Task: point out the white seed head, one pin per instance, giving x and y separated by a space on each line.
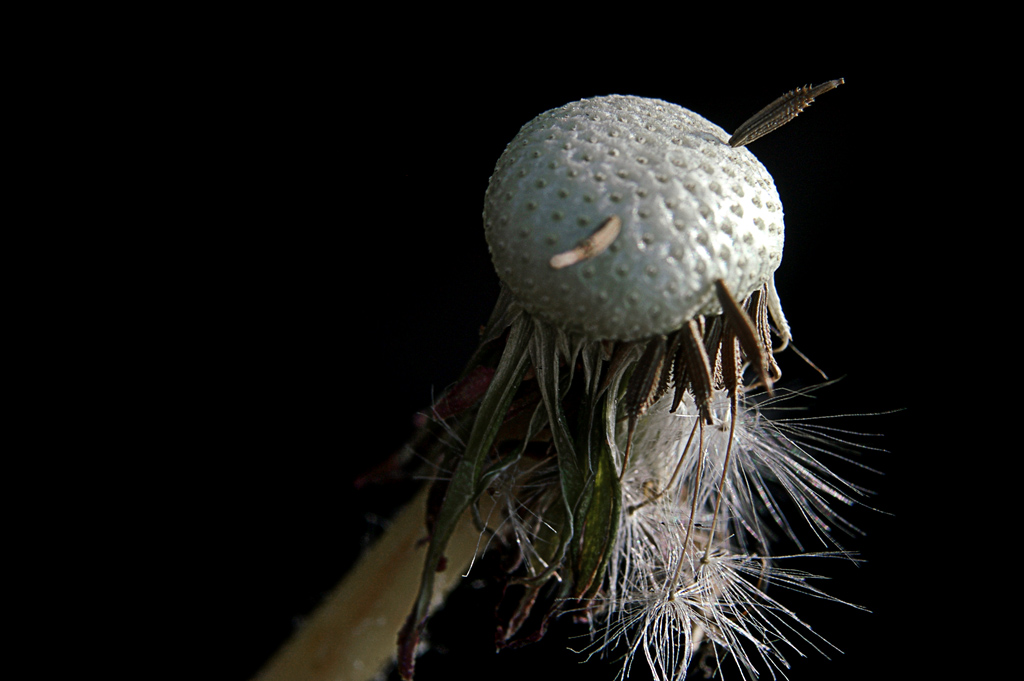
692 210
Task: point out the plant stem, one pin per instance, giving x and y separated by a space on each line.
352 636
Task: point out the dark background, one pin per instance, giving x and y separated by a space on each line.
347 289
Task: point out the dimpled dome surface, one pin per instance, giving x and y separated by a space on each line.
693 210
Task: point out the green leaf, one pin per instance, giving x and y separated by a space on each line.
465 488
574 472
601 524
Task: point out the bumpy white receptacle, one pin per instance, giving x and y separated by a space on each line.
693 210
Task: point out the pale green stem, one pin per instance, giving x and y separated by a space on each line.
353 634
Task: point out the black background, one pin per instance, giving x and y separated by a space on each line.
347 286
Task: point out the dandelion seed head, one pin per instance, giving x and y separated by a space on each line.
674 235
656 486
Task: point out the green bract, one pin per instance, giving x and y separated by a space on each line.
692 208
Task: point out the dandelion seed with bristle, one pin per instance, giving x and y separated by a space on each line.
636 243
